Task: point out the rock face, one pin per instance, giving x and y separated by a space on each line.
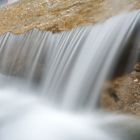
123 94
59 15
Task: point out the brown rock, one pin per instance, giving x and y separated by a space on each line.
123 94
59 15
137 67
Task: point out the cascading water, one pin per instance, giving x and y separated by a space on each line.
7 2
69 70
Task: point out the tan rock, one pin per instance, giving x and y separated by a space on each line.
59 15
123 94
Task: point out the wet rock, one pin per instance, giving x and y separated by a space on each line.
123 94
137 67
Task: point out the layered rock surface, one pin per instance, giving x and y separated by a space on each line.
59 15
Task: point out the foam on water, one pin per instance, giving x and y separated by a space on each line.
26 117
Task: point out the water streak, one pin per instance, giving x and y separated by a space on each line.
69 70
73 65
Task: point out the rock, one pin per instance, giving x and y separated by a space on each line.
123 94
59 15
137 67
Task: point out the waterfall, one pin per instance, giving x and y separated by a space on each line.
7 2
74 64
62 73
2 2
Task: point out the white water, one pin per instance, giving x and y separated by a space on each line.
7 2
69 70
